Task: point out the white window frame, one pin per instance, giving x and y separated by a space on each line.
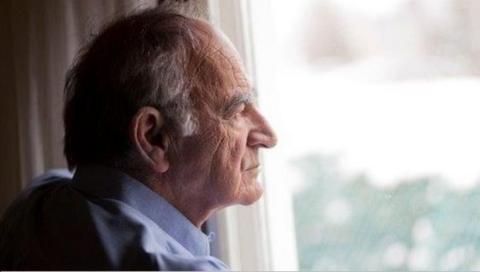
251 238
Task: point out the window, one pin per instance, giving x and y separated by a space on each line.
376 107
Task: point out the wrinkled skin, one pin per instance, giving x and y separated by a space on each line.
218 165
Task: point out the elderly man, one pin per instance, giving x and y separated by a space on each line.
162 131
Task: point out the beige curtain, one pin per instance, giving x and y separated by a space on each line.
39 40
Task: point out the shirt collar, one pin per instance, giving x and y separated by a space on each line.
107 182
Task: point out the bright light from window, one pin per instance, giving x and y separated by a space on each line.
376 108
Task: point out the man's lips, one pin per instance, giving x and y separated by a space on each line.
252 167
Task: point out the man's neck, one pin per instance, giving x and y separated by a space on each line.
193 206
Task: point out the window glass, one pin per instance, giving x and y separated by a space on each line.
376 107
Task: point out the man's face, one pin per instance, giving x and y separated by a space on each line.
221 161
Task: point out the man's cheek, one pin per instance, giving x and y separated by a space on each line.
235 149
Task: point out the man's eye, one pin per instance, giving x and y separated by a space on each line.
238 111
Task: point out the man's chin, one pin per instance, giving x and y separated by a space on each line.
252 196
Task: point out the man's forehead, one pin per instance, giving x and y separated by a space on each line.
227 58
231 63
236 83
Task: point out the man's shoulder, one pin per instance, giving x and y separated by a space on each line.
53 224
53 175
30 198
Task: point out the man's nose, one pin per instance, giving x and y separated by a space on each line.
262 135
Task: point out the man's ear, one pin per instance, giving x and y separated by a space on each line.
145 133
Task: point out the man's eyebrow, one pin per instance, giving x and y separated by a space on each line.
237 99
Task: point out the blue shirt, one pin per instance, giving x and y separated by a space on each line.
101 219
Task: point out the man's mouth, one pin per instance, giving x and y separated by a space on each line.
252 167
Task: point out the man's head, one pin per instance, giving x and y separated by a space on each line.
165 98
